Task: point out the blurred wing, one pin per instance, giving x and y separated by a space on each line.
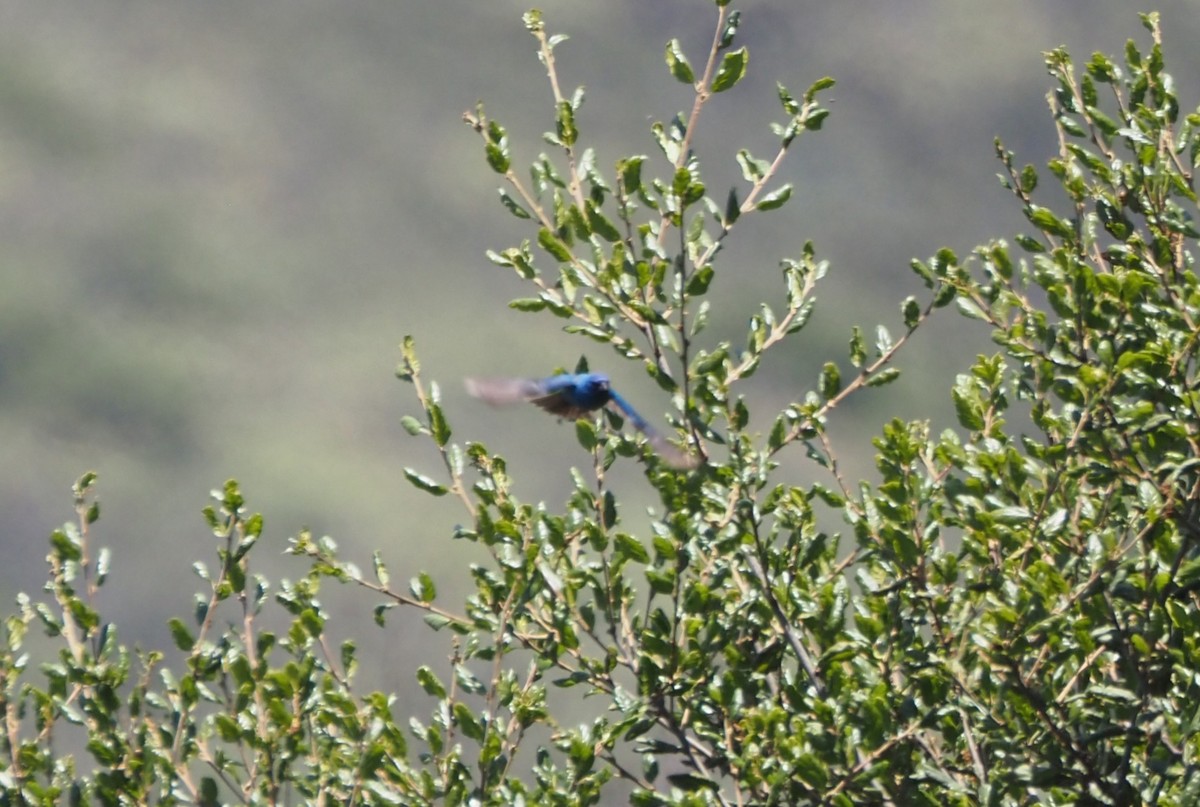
670 453
572 395
639 422
551 394
558 403
503 391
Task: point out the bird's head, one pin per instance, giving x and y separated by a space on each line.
594 383
588 391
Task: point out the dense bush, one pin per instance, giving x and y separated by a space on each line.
1012 616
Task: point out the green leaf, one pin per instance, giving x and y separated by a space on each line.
731 27
527 304
1029 179
778 434
438 426
609 511
629 547
65 546
971 309
409 365
554 246
689 782
733 208
821 84
858 347
181 635
430 683
380 612
883 340
1047 222
228 730
1011 515
944 295
968 408
496 148
468 723
733 67
423 588
585 433
574 679
518 259
424 483
497 158
785 98
601 225
680 69
512 206
831 380
312 622
565 124
380 568
630 172
467 680
699 281
753 169
84 483
813 770
103 563
776 198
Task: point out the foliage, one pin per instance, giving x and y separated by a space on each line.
1012 618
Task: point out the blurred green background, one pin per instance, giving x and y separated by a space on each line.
219 219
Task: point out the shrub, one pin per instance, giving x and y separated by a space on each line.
1011 617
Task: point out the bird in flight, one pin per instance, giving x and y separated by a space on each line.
573 395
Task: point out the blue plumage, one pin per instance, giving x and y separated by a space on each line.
573 395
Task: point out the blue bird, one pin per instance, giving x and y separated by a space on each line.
573 395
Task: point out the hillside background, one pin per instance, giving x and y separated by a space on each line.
219 218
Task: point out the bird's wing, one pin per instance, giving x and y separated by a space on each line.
501 391
670 453
638 421
558 403
548 393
